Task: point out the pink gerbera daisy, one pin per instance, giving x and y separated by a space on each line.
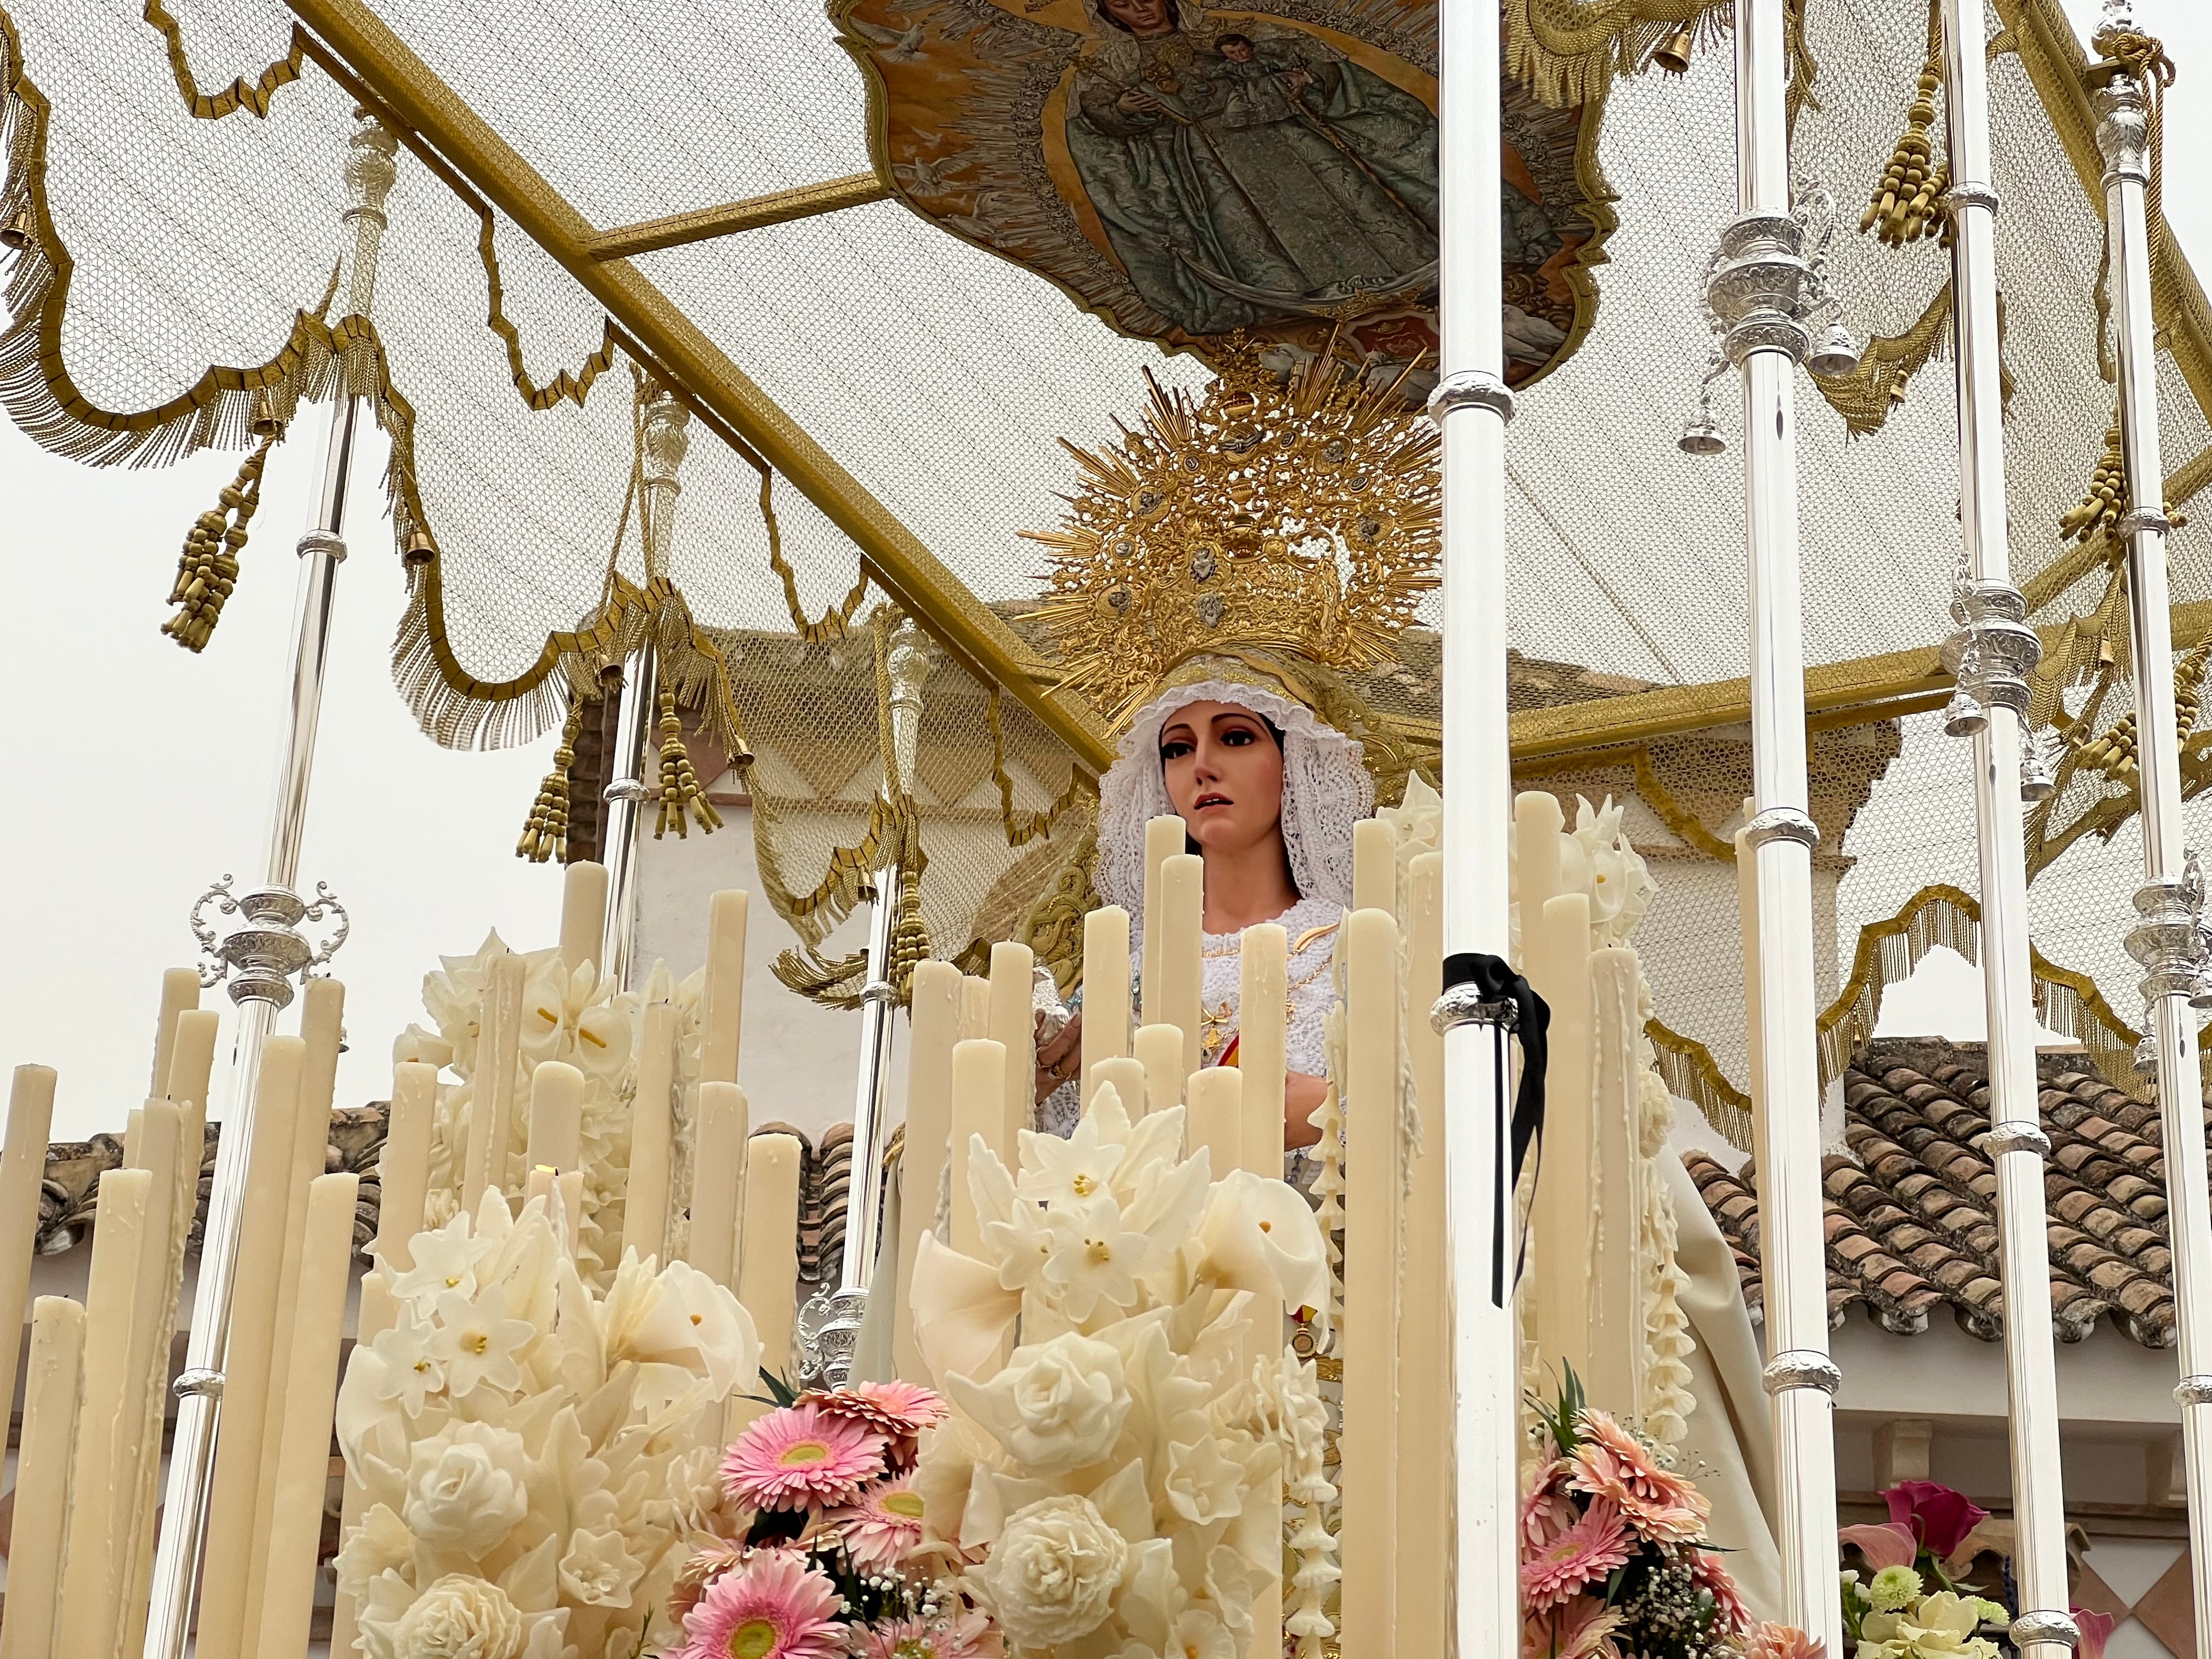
1546 1511
1613 1464
1585 1552
1768 1640
882 1524
710 1562
897 1411
1580 1627
1707 1573
773 1606
964 1633
800 1458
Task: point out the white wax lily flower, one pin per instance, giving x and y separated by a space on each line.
477 1343
444 1260
1095 1257
1070 1170
410 1372
598 1570
1204 1485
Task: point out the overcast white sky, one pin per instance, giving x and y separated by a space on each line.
140 773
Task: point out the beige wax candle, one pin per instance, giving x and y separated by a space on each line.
1373 1150
92 1576
492 1084
583 914
724 1010
556 1116
322 1028
1424 1396
770 1286
1013 1027
1126 1074
319 1024
152 1323
235 1489
1263 1033
1165 838
568 1208
975 1008
22 1169
377 1314
52 1387
979 1086
1537 822
309 1370
1374 865
1105 988
1557 947
191 1059
181 989
403 1167
1160 1051
538 1183
1183 955
652 1135
1216 1118
717 1157
934 1032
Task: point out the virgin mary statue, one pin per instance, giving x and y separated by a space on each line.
1223 580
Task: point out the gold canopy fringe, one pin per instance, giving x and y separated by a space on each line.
2100 507
1865 396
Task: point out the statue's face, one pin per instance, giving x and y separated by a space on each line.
1141 16
1224 775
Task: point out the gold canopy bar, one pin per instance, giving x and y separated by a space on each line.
754 213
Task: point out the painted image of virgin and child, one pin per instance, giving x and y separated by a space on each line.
1254 174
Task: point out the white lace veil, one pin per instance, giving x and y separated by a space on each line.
1326 790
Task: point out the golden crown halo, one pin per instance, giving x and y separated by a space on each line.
1293 515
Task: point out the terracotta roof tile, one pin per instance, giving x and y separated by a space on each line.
1911 1209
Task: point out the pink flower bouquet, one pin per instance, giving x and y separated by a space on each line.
816 1566
1614 1560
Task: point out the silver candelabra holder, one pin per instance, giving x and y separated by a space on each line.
264 954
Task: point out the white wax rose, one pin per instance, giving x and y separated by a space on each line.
1053 1574
461 1617
1057 1405
466 1487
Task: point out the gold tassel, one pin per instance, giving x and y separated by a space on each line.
1904 203
207 569
546 834
909 941
2113 751
2101 509
682 796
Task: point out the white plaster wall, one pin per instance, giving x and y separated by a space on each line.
798 1061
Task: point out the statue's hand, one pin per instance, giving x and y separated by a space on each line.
1059 1058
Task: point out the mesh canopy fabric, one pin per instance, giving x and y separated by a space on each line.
942 378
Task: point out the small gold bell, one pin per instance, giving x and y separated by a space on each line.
420 550
265 424
1674 53
19 230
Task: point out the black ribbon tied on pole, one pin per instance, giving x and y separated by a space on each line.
1522 1012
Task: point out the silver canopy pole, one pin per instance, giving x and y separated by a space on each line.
261 959
1991 655
1471 405
667 440
2167 940
1759 289
830 1324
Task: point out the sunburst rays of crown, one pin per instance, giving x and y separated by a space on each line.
1293 515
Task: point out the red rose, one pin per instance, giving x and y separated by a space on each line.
1940 1517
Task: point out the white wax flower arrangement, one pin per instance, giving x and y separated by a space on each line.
1115 1481
522 1439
